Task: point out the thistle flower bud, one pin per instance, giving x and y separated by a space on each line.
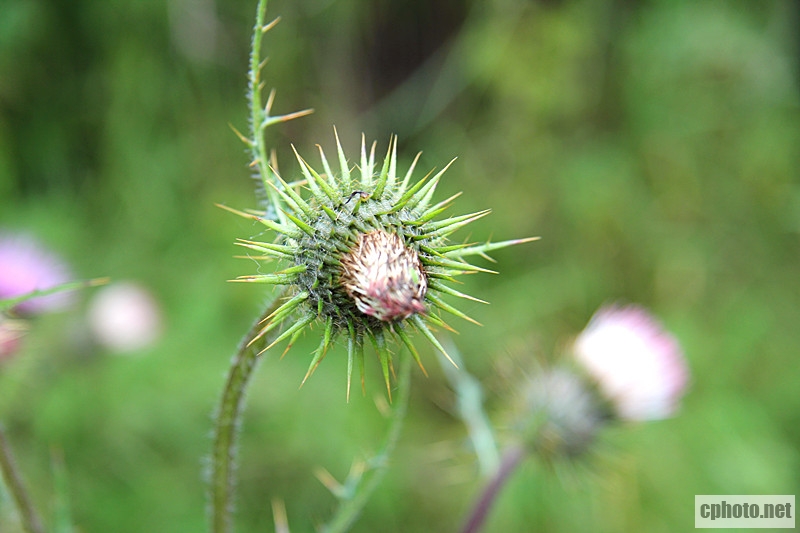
365 256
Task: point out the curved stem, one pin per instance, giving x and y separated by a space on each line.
349 510
511 460
31 523
227 422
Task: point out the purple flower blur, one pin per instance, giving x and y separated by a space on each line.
26 266
637 364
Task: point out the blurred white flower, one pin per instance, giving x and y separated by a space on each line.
124 317
637 364
26 266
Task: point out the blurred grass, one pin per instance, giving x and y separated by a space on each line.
654 146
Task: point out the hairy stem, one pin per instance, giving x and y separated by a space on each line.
261 115
258 113
31 523
349 509
512 458
227 422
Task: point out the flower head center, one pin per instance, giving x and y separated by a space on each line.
384 277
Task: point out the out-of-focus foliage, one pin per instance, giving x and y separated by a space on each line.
654 146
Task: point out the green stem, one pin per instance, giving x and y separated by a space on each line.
261 117
349 510
257 111
31 522
228 419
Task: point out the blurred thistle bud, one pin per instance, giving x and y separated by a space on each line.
561 415
124 317
637 365
26 266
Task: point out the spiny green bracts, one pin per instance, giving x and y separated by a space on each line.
364 256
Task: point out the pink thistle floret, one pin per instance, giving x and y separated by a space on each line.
637 364
26 266
384 277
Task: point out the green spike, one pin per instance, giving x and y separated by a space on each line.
289 231
407 178
441 224
488 247
426 217
351 351
452 227
392 178
276 250
344 181
383 178
242 214
288 306
291 198
308 230
433 211
455 265
304 168
285 277
367 165
423 328
327 168
276 317
310 181
446 289
423 197
331 260
385 357
317 182
359 355
320 352
407 341
272 324
441 275
291 342
423 192
403 200
330 212
437 321
296 328
444 306
442 250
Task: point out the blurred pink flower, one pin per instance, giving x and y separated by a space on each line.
637 365
26 266
124 317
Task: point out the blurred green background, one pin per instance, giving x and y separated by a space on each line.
653 145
